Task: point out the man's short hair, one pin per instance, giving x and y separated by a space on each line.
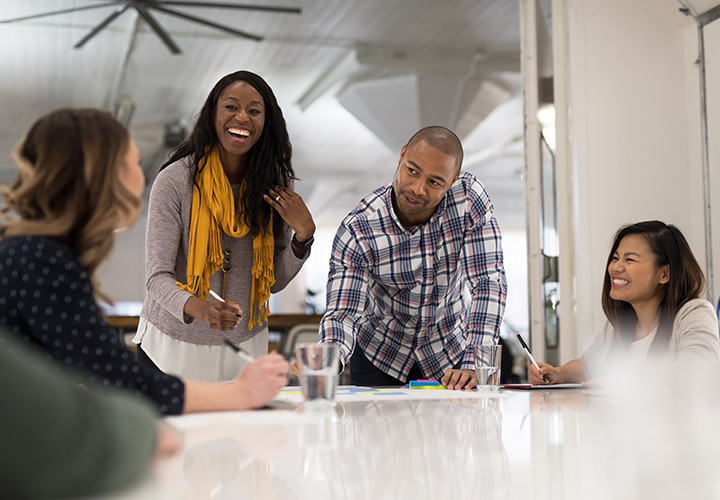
442 139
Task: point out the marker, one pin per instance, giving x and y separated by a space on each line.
223 300
527 351
241 352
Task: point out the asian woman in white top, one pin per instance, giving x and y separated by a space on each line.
652 300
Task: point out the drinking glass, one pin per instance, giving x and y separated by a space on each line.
487 366
318 365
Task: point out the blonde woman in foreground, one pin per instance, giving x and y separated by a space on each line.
79 182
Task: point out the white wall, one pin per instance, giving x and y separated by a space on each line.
514 244
122 274
635 131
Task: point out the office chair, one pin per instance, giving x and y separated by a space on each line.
298 334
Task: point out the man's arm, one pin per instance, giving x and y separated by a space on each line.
346 292
482 264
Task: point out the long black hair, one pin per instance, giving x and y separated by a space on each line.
687 281
269 160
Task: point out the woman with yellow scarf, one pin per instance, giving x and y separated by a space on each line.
222 217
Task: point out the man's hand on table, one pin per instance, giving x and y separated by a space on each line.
459 379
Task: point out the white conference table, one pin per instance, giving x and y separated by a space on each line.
542 444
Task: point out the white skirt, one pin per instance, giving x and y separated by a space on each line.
204 363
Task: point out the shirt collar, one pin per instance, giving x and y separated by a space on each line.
439 211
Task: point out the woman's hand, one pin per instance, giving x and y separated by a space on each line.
295 368
261 381
219 315
167 442
257 384
550 372
293 211
223 315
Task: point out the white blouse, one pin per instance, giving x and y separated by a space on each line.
204 363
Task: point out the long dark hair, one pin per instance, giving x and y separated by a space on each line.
686 282
269 161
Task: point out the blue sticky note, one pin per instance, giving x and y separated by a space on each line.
423 383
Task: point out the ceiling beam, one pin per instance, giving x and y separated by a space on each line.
495 150
365 55
421 60
709 16
333 76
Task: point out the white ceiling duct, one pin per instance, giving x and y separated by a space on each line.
394 108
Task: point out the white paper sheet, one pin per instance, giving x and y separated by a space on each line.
543 387
348 394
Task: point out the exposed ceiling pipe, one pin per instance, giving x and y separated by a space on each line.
702 19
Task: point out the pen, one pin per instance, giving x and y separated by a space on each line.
527 351
223 300
241 352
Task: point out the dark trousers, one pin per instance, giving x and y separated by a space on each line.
363 372
144 359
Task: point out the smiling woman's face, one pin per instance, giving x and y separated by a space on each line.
239 121
634 275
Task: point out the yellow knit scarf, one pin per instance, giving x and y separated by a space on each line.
213 212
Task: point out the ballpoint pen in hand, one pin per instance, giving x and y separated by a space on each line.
222 300
527 351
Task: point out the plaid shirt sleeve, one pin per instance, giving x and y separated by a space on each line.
482 262
346 291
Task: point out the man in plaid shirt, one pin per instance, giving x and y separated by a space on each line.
399 264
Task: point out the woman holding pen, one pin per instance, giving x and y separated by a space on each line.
651 298
80 181
222 216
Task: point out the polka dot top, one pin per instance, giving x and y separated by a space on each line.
46 297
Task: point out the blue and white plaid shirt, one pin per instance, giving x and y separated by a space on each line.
398 292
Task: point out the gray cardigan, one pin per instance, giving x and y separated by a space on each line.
694 338
166 247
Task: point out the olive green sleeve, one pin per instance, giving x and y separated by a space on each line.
61 440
